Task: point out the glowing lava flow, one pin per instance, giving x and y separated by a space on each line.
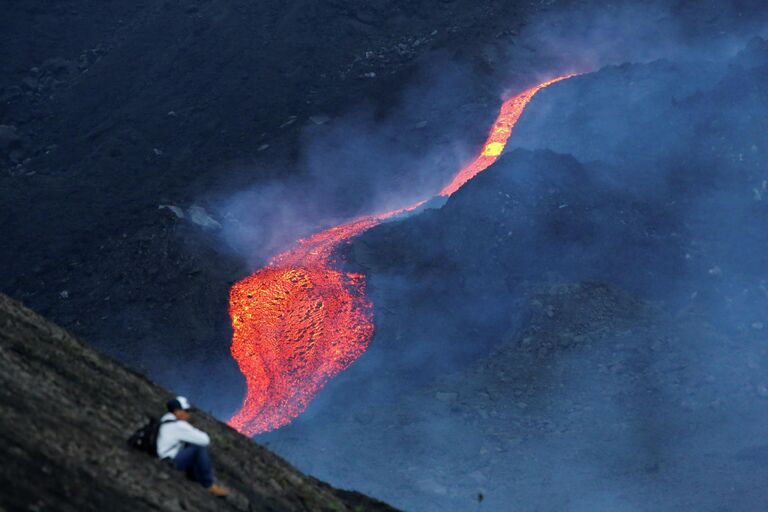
510 112
302 319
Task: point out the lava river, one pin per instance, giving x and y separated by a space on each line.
303 319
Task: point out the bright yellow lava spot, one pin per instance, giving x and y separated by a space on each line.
493 149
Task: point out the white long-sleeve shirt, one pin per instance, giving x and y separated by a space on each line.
172 436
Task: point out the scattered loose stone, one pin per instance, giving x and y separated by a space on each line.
178 212
319 119
199 216
9 137
444 396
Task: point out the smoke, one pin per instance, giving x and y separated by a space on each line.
363 162
491 373
593 36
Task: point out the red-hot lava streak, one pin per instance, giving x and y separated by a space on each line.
302 319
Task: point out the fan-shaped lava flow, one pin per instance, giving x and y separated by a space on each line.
303 319
297 323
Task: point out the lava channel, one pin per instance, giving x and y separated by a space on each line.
303 319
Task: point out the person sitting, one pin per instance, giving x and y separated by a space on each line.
186 447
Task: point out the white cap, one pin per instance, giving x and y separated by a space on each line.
180 402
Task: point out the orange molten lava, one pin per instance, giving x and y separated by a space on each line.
510 112
302 319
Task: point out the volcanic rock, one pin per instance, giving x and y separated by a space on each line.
177 211
754 54
590 297
198 215
9 137
446 396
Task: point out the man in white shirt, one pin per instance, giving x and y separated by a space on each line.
185 446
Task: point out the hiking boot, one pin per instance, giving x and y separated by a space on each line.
218 491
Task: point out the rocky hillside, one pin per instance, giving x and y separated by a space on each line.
65 412
501 367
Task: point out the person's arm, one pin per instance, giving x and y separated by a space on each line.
191 435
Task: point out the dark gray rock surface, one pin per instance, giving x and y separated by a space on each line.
581 326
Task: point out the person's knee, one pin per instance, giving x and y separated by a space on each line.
201 452
192 450
203 455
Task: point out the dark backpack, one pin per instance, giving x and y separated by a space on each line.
145 439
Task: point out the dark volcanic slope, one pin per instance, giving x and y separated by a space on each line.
109 109
599 402
65 412
574 330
